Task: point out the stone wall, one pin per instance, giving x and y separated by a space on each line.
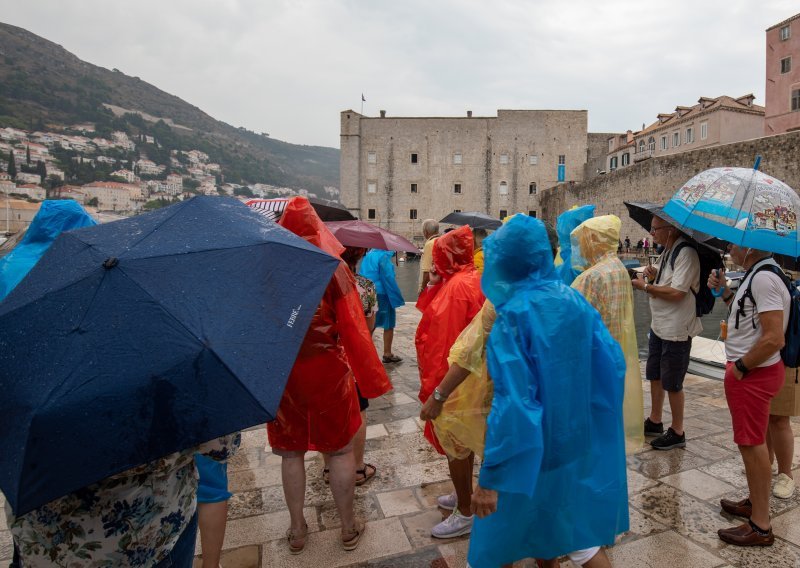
657 179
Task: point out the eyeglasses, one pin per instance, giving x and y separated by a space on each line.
654 229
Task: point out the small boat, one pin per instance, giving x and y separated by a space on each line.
707 358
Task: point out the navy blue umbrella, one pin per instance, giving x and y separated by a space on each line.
146 336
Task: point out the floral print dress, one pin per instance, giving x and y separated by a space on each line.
130 519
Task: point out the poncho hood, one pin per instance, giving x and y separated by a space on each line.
518 255
565 224
593 239
300 218
453 252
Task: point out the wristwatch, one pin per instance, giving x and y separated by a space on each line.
438 396
739 365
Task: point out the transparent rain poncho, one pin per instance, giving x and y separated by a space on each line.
604 282
565 224
555 449
461 426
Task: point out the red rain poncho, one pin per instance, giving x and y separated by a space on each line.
444 315
319 409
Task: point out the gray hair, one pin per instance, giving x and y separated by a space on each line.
430 227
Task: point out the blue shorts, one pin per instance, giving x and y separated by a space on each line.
386 314
213 486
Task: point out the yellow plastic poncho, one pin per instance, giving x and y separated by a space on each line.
461 427
605 283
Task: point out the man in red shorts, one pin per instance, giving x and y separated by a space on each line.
754 375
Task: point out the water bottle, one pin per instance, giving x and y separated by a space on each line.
723 330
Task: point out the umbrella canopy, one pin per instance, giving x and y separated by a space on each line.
742 206
135 339
326 210
361 234
474 219
642 212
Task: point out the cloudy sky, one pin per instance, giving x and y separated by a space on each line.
289 67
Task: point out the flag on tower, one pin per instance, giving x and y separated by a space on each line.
363 100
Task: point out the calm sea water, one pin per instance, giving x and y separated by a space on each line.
408 276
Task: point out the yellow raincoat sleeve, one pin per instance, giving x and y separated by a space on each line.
605 283
461 427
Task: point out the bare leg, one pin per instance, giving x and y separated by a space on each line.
211 518
388 337
599 560
343 482
657 401
552 563
756 466
359 441
293 473
781 439
676 402
461 474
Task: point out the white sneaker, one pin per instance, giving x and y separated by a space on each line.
447 502
454 525
784 487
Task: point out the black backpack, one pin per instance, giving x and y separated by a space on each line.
790 354
709 260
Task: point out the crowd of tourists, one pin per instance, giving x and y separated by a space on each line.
551 427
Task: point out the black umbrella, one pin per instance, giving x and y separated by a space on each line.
474 219
642 212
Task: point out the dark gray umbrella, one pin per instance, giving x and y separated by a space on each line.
474 219
642 212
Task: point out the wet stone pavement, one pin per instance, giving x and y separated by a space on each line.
674 496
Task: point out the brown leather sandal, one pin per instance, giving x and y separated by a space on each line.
364 475
354 535
293 538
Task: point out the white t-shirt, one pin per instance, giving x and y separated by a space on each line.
770 294
677 321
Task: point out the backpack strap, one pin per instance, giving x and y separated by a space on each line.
673 254
748 292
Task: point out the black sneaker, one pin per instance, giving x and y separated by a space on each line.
669 440
652 428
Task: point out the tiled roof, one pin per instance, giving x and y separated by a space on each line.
704 105
784 22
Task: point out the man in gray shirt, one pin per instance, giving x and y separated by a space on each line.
671 286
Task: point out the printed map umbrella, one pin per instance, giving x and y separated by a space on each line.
142 337
361 234
740 205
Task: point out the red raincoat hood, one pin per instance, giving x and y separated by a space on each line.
300 218
452 252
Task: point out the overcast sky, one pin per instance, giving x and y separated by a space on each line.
289 67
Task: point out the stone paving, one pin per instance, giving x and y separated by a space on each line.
674 495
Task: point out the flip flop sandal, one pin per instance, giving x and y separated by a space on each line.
293 537
392 359
352 542
326 475
364 475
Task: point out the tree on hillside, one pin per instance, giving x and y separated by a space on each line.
28 155
93 202
41 170
12 167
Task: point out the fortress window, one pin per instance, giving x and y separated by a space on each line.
457 188
413 188
504 158
503 214
372 158
372 187
412 214
532 214
457 158
532 188
414 159
503 188
370 213
533 160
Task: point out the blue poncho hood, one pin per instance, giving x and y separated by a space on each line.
54 217
567 222
378 267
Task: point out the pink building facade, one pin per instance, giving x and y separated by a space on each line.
783 77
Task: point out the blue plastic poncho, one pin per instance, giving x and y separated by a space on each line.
53 218
377 266
555 449
565 224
